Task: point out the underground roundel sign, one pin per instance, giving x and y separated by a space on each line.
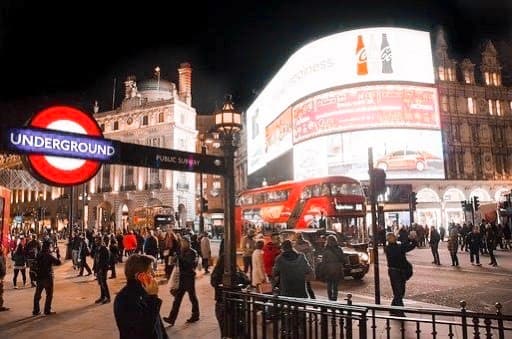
56 169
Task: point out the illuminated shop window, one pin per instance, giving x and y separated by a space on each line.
498 108
491 110
495 79
116 125
145 120
471 106
467 77
161 117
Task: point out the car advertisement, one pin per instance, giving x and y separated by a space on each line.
367 107
353 57
402 153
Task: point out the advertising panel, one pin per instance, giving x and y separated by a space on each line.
352 57
366 107
278 135
402 153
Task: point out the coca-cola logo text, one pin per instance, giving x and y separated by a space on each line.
361 56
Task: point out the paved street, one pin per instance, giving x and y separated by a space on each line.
77 314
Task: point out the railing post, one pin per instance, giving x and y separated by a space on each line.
349 317
464 319
324 325
476 327
501 330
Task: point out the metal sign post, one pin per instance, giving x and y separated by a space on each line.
373 202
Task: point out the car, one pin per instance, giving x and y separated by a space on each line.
357 263
409 160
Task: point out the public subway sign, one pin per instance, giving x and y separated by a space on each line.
63 146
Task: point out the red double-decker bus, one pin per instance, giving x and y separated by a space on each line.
302 204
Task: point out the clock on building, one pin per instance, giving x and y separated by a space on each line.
129 121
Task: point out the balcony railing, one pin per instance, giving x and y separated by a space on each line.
253 315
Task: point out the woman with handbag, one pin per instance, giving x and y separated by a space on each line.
259 277
333 260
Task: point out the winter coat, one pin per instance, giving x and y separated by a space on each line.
206 251
333 260
308 251
258 269
289 273
395 254
130 242
3 266
101 259
435 237
248 245
270 252
137 313
453 243
44 264
188 263
19 259
475 240
151 246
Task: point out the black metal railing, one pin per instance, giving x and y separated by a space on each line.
253 315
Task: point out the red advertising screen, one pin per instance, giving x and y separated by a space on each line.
366 107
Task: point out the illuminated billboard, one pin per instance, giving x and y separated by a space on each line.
354 57
402 153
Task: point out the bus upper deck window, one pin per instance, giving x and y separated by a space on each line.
325 190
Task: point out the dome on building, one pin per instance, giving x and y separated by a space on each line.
155 85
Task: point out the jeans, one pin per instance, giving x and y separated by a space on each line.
397 285
102 281
472 253
187 284
435 253
206 263
47 285
310 291
332 289
455 259
23 275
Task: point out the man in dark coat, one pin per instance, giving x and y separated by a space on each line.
32 249
435 237
332 263
44 277
101 266
398 267
137 306
187 262
474 243
289 272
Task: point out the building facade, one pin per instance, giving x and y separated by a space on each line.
157 113
471 139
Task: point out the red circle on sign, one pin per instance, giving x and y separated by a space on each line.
40 166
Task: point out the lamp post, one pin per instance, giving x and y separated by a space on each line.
84 197
228 124
157 72
201 201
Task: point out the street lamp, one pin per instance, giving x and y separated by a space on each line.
201 201
228 124
84 198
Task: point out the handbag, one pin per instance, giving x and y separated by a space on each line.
174 280
264 287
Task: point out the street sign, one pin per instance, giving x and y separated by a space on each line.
63 146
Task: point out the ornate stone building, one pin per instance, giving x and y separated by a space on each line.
154 112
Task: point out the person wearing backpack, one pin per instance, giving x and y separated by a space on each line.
399 269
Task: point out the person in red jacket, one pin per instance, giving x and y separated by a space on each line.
270 251
130 243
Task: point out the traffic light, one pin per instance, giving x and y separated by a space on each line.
413 201
379 181
476 203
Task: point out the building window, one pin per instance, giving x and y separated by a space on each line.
441 73
116 125
102 126
498 108
467 77
145 120
491 110
216 185
444 103
161 117
487 79
471 106
451 74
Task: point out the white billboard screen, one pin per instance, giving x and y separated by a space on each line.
352 57
402 153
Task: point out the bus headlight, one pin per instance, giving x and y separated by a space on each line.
363 256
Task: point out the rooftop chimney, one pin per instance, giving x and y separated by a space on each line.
185 83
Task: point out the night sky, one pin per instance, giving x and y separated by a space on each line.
70 51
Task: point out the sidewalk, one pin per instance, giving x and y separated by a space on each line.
77 314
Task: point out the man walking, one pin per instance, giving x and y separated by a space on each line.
399 269
44 278
101 267
435 237
206 252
